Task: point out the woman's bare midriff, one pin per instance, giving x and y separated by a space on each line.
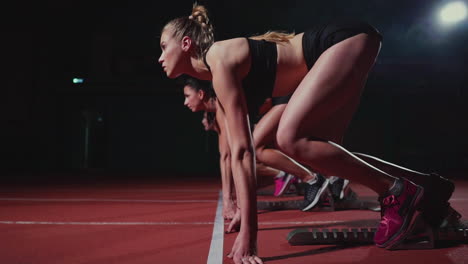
291 67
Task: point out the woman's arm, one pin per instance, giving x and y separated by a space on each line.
229 208
228 88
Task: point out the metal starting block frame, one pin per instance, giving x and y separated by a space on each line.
326 203
422 236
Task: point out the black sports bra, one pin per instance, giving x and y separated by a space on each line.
259 83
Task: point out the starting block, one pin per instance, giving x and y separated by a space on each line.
351 201
325 204
422 236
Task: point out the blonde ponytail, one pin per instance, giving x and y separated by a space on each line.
274 36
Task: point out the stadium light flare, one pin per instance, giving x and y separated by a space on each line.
453 12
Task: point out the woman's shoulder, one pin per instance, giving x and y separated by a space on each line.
230 51
230 42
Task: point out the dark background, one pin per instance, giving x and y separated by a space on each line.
413 111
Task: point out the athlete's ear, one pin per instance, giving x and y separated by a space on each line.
201 94
186 43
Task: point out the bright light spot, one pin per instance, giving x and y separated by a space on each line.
78 80
453 12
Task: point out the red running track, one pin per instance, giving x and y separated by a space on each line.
172 222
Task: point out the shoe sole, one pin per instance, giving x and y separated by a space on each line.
311 205
285 185
407 225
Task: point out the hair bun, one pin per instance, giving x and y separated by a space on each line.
197 26
200 15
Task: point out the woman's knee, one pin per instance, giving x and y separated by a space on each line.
287 142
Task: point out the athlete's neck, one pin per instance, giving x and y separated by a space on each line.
199 70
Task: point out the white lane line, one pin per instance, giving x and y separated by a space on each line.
302 223
14 199
215 255
102 200
102 223
5 222
108 190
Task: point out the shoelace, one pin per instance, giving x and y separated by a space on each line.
388 202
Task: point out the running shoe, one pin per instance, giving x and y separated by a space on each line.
434 205
399 212
282 184
338 188
312 192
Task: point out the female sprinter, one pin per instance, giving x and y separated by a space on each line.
325 70
200 97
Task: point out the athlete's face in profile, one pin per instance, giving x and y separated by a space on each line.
171 54
193 99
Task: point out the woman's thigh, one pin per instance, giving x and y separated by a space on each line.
324 102
264 133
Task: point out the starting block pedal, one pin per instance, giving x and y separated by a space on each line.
279 205
351 201
422 235
326 236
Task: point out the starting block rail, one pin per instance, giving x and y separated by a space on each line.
365 236
422 236
326 204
